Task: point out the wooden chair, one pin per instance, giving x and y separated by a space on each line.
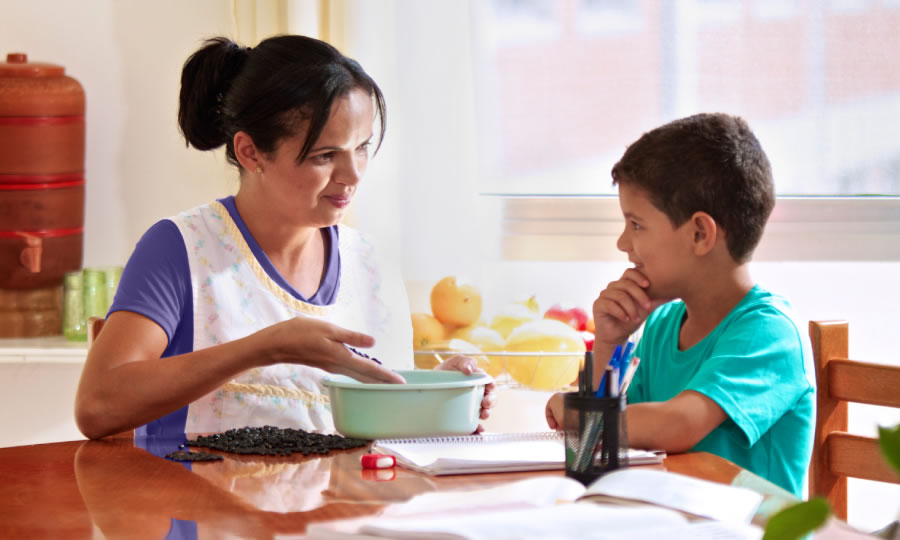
836 453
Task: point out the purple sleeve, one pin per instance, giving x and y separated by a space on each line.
156 281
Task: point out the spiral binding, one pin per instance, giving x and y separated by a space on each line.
490 438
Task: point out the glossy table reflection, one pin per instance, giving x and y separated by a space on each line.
123 488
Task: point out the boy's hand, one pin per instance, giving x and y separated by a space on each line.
554 411
623 306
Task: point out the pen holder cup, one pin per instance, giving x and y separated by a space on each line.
596 437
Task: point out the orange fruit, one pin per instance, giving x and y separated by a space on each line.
455 303
451 328
544 371
426 330
424 359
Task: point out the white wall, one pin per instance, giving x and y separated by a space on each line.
128 56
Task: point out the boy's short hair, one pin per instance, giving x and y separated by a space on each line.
705 163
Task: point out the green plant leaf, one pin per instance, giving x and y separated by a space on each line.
889 439
797 520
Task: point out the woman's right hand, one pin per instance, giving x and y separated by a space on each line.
320 344
622 307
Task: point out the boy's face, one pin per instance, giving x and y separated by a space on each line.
659 251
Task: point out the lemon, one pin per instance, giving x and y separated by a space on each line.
487 340
544 371
511 317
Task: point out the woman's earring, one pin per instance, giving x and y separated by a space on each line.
259 170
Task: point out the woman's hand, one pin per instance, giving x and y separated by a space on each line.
320 344
554 411
468 365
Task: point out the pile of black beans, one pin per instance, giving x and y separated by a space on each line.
274 441
181 455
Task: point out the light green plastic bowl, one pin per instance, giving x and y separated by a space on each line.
430 403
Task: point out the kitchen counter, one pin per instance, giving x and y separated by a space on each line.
38 381
52 349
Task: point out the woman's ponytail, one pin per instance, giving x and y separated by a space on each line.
205 80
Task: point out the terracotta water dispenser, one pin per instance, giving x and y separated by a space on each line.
42 132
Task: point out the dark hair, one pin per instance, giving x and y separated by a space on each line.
266 92
708 163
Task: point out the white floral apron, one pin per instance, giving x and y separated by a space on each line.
234 297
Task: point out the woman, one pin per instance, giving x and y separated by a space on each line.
229 314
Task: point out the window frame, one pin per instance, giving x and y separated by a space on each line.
585 228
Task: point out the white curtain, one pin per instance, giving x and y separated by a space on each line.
255 20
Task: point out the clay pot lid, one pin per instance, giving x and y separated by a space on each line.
17 65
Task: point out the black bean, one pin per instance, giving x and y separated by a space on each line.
193 456
364 355
273 441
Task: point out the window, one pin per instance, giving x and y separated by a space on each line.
819 85
523 106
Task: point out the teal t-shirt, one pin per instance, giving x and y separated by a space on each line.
757 366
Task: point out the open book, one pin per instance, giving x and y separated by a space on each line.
673 507
497 452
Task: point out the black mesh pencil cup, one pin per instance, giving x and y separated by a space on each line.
596 437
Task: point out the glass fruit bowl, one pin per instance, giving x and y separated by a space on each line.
545 371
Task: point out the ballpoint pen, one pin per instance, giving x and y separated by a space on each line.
613 391
613 362
629 374
626 354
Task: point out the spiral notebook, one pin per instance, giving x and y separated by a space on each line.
496 452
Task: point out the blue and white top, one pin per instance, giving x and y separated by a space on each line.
202 277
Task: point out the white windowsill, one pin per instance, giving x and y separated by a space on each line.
44 350
573 228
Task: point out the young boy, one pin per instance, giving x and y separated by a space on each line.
724 368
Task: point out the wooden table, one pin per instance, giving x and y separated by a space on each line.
112 488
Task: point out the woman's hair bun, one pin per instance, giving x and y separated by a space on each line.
205 79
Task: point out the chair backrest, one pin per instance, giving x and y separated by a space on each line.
836 453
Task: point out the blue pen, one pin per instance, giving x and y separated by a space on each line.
613 362
604 382
626 355
616 357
